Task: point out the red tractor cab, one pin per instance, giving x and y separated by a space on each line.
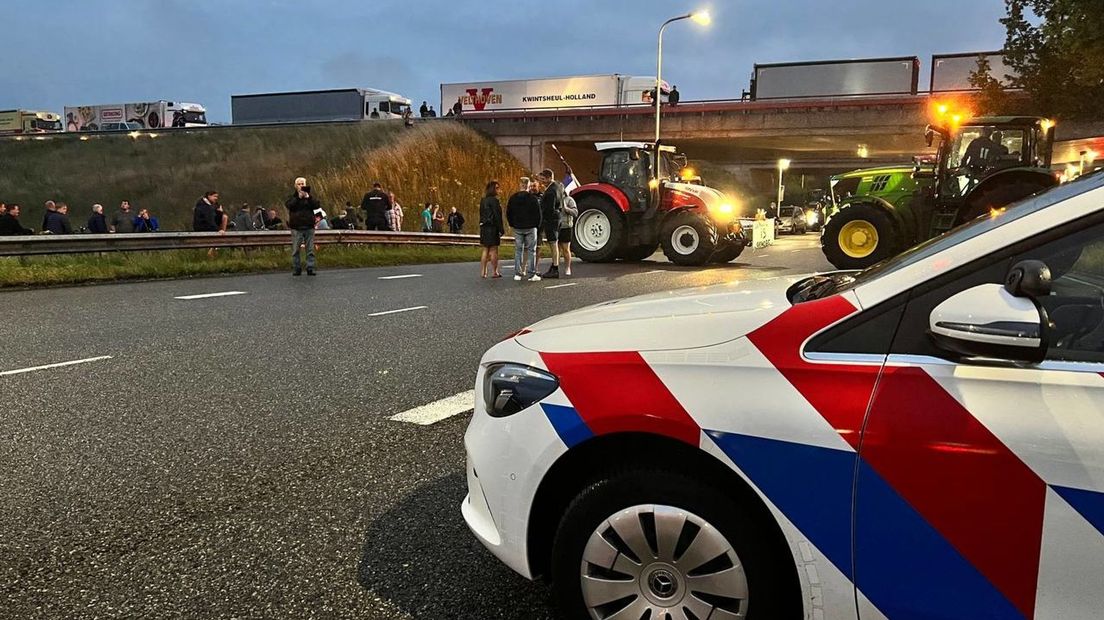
641 202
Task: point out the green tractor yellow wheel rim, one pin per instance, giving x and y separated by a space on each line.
858 239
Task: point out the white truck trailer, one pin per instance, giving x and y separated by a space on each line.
836 78
585 91
145 114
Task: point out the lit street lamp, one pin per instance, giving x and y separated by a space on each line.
700 17
783 165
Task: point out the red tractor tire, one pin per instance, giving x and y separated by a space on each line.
599 230
688 239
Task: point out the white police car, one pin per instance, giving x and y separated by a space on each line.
924 439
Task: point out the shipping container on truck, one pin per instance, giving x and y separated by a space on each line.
146 114
836 78
951 72
343 104
15 122
584 91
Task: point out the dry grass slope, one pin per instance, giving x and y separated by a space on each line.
254 165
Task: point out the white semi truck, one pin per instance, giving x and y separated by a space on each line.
584 91
14 122
344 104
142 115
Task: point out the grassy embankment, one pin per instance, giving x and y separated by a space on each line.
442 161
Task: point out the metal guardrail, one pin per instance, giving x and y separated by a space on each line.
36 245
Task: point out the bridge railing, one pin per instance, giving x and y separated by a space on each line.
37 245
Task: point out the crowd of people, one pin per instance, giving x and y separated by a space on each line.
56 220
540 208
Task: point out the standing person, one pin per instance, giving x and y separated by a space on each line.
9 223
427 218
375 204
567 230
243 221
438 219
455 221
523 212
57 221
552 202
396 213
424 110
123 220
206 216
432 112
97 223
301 219
490 229
458 107
51 208
146 222
673 96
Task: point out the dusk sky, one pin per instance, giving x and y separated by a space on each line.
69 52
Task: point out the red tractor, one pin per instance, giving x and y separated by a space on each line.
641 202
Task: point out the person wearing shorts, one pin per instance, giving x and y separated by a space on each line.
552 202
567 230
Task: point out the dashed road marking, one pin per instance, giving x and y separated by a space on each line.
208 295
562 285
402 277
398 311
57 365
438 410
653 271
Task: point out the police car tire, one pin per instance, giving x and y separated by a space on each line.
770 574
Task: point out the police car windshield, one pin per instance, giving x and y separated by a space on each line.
983 225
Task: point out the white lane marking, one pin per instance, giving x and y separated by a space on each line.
760 256
796 251
58 365
506 267
653 271
402 277
398 311
439 410
562 285
206 295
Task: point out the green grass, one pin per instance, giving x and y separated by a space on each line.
86 268
443 160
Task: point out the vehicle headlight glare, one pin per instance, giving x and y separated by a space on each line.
510 388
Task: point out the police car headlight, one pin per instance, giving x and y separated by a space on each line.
509 388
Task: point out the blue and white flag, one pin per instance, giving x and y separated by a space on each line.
569 183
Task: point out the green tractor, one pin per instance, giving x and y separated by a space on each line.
981 165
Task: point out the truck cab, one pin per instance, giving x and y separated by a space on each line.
379 104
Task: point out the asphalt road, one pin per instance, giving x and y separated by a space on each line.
234 457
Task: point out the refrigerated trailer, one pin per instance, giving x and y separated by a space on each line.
13 122
583 91
343 104
141 115
951 72
836 78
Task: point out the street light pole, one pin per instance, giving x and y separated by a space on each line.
701 17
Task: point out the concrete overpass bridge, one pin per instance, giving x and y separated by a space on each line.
820 136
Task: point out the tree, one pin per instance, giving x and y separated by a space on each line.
1056 48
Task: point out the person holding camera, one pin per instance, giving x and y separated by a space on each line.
301 207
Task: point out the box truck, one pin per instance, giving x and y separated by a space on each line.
343 104
142 115
586 91
836 78
14 122
951 72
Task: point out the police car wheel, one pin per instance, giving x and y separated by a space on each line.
642 544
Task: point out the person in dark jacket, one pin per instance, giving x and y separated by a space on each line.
523 212
97 223
490 229
146 223
301 207
206 217
9 223
376 203
455 221
673 96
423 111
552 202
51 208
57 221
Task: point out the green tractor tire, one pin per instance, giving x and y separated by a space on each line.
858 236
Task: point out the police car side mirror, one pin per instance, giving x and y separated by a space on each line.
989 322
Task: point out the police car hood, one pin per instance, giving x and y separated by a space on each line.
679 319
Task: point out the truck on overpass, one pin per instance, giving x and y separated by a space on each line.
14 122
581 91
342 104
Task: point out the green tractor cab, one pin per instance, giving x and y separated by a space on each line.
982 165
